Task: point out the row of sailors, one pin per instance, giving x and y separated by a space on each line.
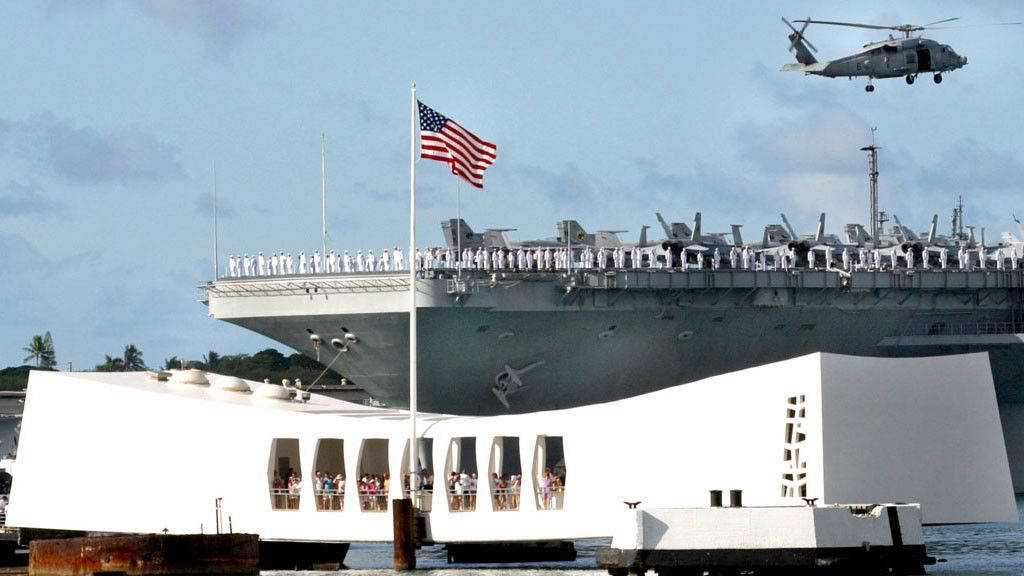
547 259
281 264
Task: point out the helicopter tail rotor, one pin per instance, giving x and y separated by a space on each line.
799 44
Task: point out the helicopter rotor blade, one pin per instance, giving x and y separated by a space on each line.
939 22
974 25
853 24
799 36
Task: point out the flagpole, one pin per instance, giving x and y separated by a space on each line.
216 252
412 297
323 183
458 226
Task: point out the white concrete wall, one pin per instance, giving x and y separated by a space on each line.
143 456
763 528
928 430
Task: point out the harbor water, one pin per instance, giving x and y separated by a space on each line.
963 550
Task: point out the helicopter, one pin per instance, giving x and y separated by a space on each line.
907 56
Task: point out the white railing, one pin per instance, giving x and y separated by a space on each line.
423 500
505 499
373 501
284 498
550 499
461 501
333 500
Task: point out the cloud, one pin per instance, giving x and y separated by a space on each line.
204 207
84 155
22 199
222 26
820 139
20 255
567 185
972 165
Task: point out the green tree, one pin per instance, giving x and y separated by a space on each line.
172 363
111 364
211 360
132 359
36 350
49 358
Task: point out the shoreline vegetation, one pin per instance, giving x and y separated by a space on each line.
265 364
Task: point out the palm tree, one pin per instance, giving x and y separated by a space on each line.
36 349
211 360
133 359
111 364
172 363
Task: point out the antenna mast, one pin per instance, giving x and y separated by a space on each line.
876 219
216 253
323 179
958 218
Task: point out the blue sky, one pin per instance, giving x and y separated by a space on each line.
113 113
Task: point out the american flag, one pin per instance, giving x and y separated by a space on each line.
442 139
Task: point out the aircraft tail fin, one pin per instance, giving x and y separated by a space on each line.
695 236
451 229
789 228
799 45
819 234
931 231
571 229
643 235
737 238
665 226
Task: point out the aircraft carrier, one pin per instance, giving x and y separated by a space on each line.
505 341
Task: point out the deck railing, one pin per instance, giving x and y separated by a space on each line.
333 500
373 501
284 498
550 499
505 499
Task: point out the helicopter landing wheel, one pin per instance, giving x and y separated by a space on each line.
937 78
869 88
910 79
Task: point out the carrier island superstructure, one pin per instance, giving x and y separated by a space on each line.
504 341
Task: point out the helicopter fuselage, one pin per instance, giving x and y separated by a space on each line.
894 58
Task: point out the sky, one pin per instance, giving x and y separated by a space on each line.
113 114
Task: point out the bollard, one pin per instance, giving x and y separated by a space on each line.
716 498
736 498
404 538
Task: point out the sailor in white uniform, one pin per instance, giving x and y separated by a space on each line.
261 264
399 259
371 261
1000 265
385 261
943 258
302 262
1013 258
828 257
810 259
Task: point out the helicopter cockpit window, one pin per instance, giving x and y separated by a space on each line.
889 48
